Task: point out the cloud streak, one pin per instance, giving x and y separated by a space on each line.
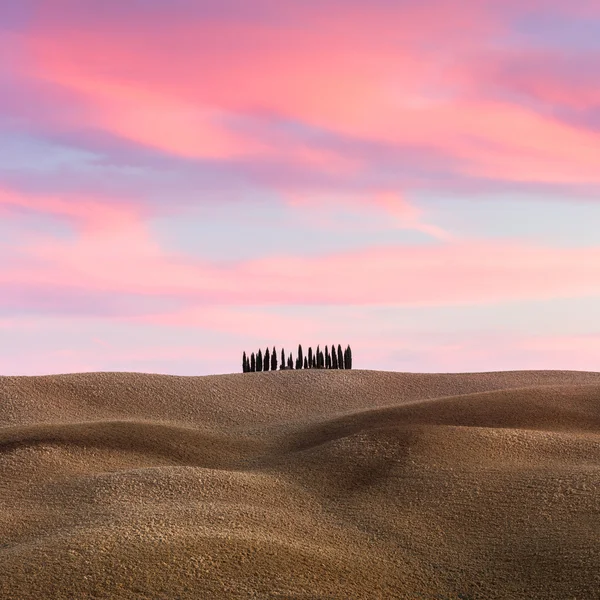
125 259
183 90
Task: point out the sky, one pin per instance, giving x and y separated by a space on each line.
183 180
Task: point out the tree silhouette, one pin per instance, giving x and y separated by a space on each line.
348 357
340 357
317 359
320 358
274 360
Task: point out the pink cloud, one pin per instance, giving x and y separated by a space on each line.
408 216
323 209
262 324
88 213
113 251
183 92
119 254
155 119
442 274
553 78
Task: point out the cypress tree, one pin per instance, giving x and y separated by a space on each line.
300 357
327 358
290 362
305 362
348 361
267 360
314 362
334 359
259 361
321 360
310 357
318 352
252 363
244 369
340 357
274 360
282 359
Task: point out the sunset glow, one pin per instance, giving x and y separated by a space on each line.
182 180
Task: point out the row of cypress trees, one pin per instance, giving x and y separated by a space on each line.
336 359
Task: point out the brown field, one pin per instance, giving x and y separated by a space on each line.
300 485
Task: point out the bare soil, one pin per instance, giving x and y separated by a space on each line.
300 485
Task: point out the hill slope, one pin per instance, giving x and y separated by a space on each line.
308 484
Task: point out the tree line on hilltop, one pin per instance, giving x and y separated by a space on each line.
268 361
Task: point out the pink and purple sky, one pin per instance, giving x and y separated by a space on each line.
181 180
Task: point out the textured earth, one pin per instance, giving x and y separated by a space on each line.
300 484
